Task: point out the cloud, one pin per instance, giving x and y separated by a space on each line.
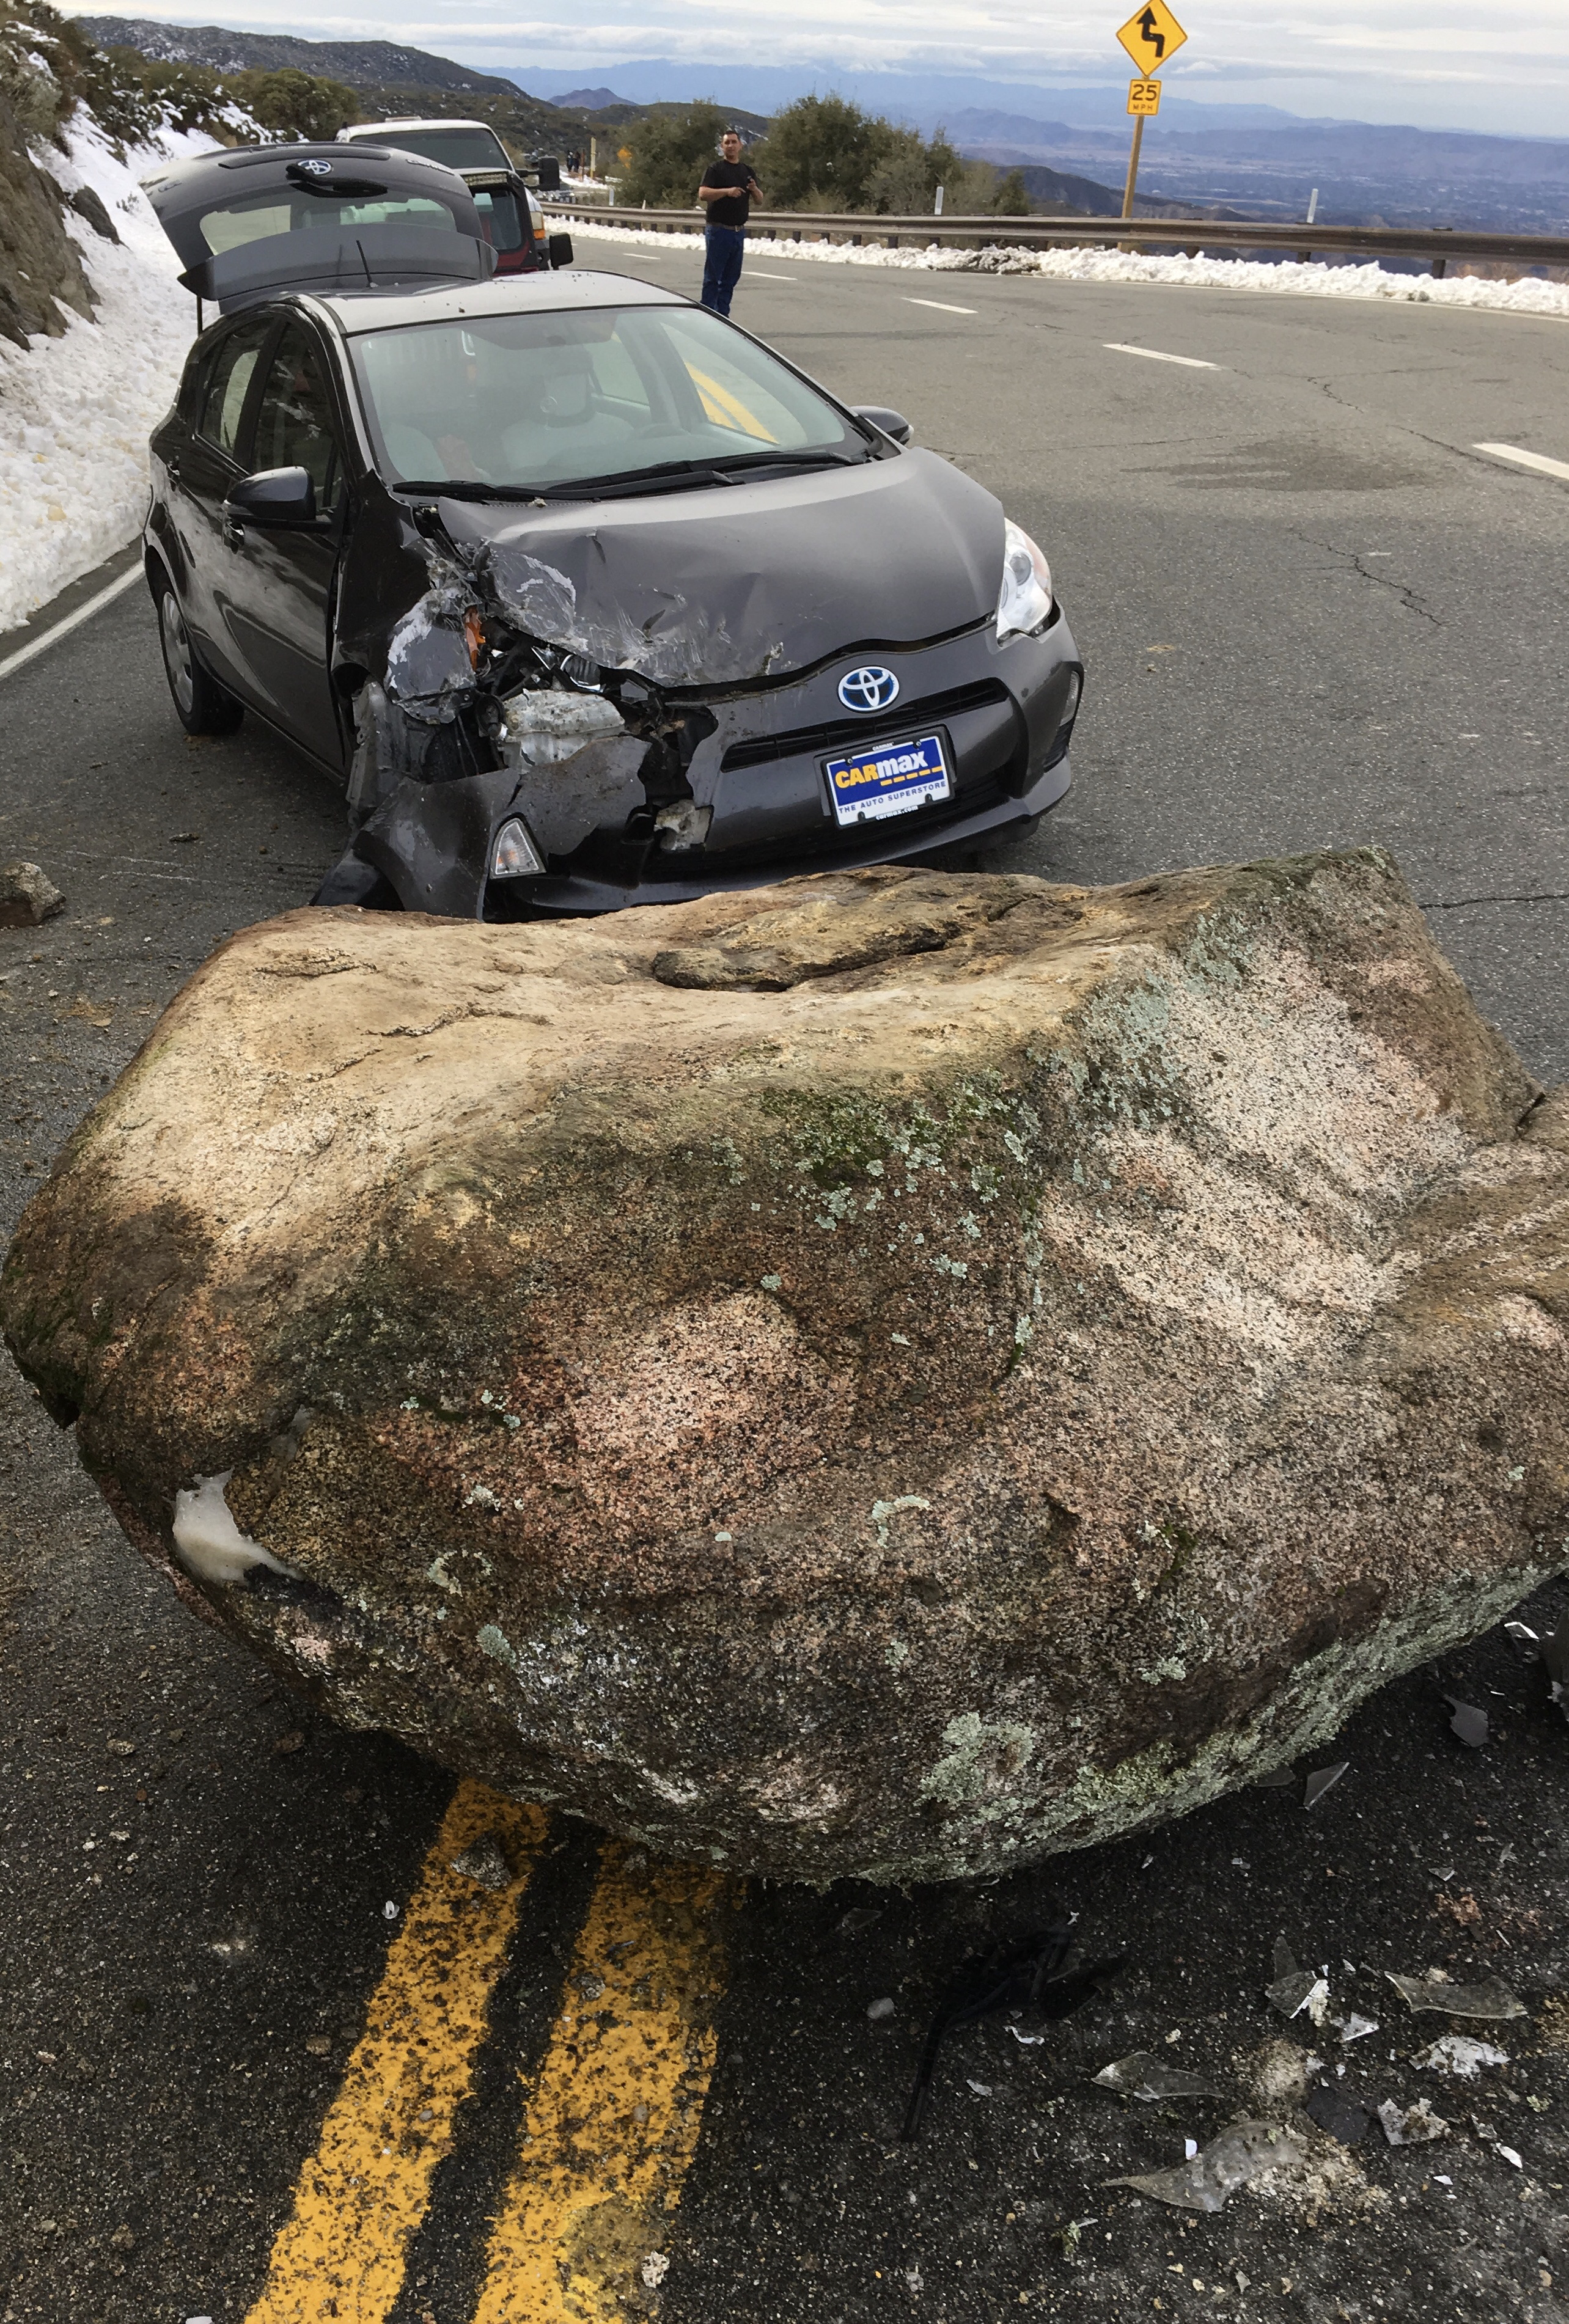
1448 60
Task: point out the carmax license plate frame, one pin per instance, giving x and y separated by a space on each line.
869 784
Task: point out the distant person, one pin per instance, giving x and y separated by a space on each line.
727 193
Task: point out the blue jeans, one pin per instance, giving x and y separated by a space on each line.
721 265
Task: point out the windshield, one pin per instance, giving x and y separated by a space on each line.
458 149
251 218
520 400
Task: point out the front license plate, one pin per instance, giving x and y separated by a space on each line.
887 779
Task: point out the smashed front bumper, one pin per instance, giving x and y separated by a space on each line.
756 806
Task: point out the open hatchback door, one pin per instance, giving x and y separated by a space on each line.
259 220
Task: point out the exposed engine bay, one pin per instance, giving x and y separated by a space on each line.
475 722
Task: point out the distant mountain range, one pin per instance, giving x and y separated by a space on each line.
1254 159
590 100
1257 158
360 64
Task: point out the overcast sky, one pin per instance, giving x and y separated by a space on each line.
1434 62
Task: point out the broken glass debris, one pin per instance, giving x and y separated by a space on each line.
1292 1989
1320 1780
1488 1999
1145 2075
1460 2053
1207 2180
1548 1647
1468 1721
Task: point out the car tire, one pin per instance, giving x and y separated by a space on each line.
201 704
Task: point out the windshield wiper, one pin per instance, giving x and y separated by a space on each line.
467 488
807 459
667 475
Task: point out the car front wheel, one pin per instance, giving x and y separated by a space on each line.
201 704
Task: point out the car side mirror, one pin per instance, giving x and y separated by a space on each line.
273 498
891 423
560 249
547 171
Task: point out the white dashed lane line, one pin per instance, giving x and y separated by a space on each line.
942 306
1538 460
1156 355
760 275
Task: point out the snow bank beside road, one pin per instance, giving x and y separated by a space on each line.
76 411
1529 296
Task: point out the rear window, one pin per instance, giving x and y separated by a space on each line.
532 400
456 149
253 217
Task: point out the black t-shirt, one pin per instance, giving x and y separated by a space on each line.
734 210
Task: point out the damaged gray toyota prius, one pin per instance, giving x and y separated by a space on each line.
587 598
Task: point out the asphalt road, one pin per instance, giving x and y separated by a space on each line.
1312 614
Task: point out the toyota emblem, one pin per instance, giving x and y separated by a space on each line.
315 169
870 687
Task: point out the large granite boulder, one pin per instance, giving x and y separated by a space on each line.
894 1374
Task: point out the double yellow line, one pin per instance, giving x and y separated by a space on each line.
613 2112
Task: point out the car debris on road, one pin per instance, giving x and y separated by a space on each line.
1206 2180
1490 1998
1030 1975
1145 2075
1551 1649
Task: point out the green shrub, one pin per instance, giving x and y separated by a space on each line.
670 150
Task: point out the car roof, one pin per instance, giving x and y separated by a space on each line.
355 313
356 130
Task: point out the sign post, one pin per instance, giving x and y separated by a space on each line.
1151 39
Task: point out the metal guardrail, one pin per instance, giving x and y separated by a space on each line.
1437 244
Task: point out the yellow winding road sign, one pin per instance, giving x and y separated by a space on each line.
1152 37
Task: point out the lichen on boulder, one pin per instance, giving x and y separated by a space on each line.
892 1374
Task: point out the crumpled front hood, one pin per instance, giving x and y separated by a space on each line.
722 584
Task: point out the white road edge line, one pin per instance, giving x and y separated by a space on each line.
1538 460
72 621
942 306
1191 363
764 274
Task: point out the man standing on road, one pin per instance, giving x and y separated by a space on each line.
727 193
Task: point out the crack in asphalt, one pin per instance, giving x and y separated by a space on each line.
1407 597
1548 896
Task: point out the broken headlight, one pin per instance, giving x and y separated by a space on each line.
1024 602
514 854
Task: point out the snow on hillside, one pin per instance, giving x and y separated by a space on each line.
76 411
1528 296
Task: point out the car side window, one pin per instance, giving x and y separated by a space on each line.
294 425
228 380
